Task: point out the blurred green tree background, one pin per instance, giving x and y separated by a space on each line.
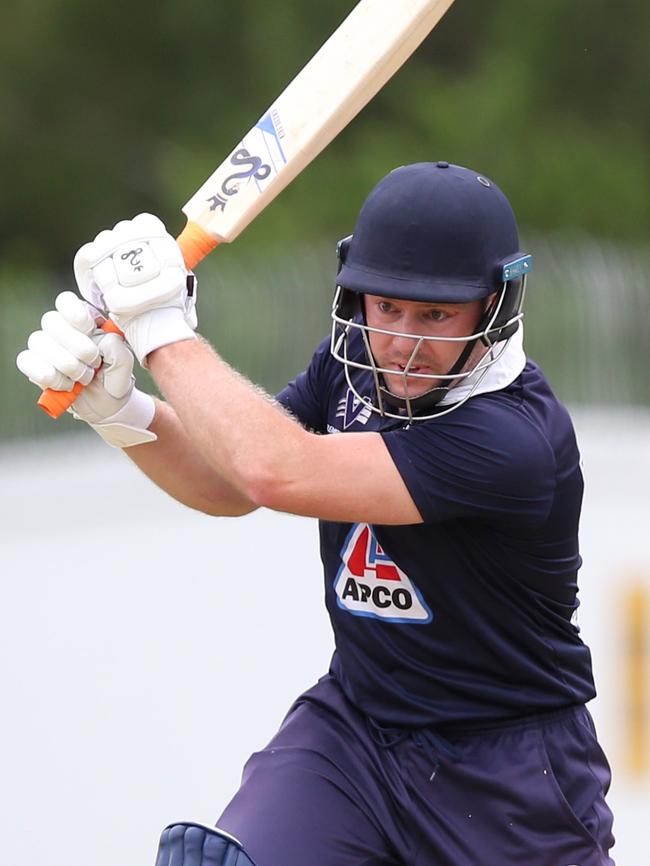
111 109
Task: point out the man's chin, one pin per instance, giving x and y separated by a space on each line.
412 389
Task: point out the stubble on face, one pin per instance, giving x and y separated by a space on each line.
433 358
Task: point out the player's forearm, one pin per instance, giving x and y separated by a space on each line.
174 464
244 436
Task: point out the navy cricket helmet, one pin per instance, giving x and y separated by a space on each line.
435 233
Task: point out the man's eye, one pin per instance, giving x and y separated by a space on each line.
437 315
385 307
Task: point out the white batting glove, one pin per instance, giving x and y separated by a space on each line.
136 274
71 348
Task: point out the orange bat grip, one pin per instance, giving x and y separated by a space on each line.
195 244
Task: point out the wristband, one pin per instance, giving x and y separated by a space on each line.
156 328
129 426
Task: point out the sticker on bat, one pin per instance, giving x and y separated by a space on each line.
257 159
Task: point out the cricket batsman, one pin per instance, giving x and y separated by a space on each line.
451 728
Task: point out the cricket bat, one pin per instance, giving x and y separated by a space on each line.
368 48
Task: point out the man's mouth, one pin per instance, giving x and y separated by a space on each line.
413 368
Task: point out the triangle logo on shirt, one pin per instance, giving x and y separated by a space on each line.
369 583
352 410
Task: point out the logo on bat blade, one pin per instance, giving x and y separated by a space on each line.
370 584
251 167
257 160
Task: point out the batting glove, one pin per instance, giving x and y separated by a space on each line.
135 273
71 348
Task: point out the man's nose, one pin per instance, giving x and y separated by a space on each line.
404 346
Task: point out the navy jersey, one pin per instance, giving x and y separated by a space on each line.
467 617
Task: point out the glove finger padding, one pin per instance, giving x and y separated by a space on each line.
71 347
74 341
76 312
143 226
41 372
60 358
63 352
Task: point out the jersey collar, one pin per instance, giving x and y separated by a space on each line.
501 374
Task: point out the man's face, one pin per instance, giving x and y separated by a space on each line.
393 352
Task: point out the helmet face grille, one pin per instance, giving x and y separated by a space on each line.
350 333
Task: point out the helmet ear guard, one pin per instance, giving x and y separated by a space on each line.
342 248
512 275
348 303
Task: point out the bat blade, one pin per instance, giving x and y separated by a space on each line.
341 78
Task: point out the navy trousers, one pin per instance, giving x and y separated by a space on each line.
333 788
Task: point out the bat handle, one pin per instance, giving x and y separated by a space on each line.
55 403
195 244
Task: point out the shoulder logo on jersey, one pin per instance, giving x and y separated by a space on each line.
369 583
351 409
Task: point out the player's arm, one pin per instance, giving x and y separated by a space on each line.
136 273
254 444
175 465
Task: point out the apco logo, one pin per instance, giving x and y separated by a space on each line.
369 583
263 138
351 409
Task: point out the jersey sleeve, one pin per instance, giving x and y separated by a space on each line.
305 396
483 463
